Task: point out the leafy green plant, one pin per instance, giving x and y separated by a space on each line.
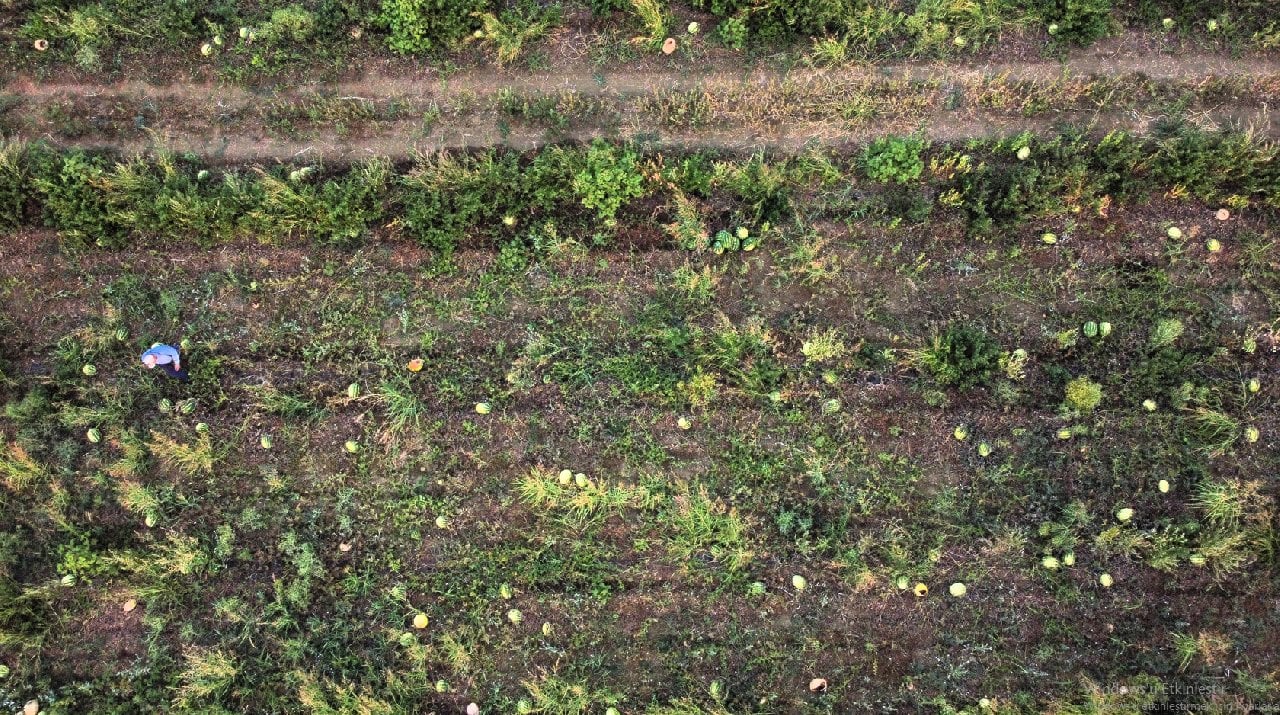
338 211
941 26
732 33
894 159
72 203
610 178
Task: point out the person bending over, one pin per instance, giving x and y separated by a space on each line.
167 357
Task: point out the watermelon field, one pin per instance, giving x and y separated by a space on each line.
640 357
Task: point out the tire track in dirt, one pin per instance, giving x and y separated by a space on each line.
749 110
405 141
483 82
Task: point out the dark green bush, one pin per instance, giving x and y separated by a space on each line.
550 175
67 184
692 174
418 26
13 185
961 356
1001 194
762 186
1079 22
774 20
445 196
1120 165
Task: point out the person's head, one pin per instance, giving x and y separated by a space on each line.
149 361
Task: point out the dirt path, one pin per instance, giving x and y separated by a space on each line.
748 110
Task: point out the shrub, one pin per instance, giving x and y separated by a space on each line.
13 183
72 202
418 26
513 29
940 25
999 194
1079 22
610 178
652 14
761 185
781 19
1083 394
894 159
733 33
338 211
1166 332
961 356
294 23
444 196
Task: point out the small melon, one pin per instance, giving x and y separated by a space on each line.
958 589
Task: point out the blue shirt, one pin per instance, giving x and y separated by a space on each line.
165 354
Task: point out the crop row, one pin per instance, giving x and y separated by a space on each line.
504 199
243 36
